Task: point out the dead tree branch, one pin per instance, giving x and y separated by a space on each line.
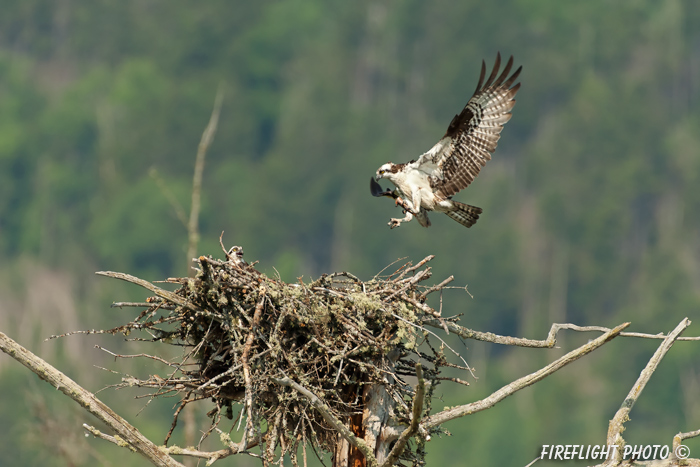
211 456
549 342
412 429
677 440
162 293
207 138
118 440
131 436
617 424
525 381
249 427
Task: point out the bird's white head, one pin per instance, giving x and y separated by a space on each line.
235 254
385 171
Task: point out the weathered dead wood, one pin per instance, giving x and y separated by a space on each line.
617 424
129 435
525 381
548 343
412 429
339 426
680 437
162 293
250 426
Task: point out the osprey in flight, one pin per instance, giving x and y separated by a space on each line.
429 183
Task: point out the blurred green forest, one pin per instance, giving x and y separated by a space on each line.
591 201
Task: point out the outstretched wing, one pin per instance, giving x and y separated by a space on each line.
455 161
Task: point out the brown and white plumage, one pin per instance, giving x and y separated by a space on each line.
429 183
235 256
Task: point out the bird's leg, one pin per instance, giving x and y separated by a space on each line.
415 201
403 203
397 222
408 209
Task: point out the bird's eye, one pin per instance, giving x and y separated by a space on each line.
382 171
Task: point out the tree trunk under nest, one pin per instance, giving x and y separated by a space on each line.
370 425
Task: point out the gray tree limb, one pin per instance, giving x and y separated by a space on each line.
617 424
525 381
85 398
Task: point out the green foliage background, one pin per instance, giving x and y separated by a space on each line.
591 201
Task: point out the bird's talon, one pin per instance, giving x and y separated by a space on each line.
394 223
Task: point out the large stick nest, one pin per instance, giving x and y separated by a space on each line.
335 336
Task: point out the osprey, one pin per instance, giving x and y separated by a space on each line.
429 183
235 256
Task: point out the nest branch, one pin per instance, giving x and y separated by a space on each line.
162 293
246 368
549 342
525 381
325 411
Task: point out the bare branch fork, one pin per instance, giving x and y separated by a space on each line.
677 440
129 435
509 389
616 426
549 342
617 423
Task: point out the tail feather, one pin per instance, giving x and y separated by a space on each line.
464 214
422 218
